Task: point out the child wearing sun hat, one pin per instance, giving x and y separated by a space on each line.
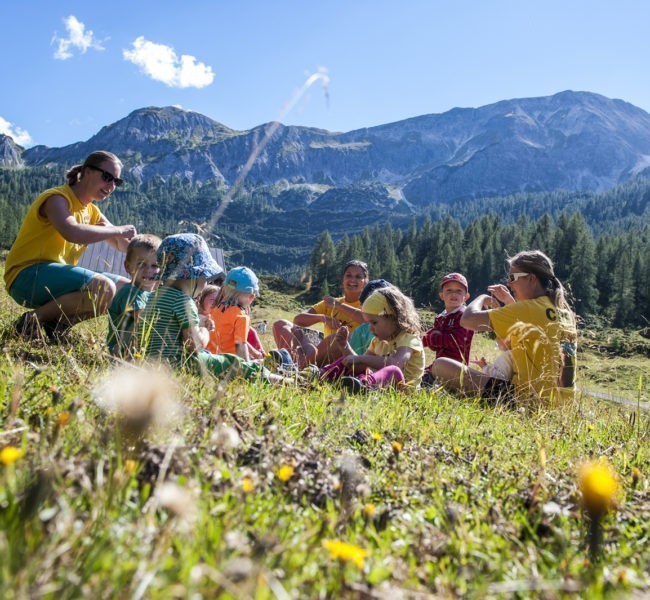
169 327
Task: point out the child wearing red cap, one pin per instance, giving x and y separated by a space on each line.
447 338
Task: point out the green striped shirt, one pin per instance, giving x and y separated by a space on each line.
168 312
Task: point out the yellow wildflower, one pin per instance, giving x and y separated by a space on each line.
285 472
397 447
375 436
130 466
456 450
10 454
63 419
599 487
346 552
636 475
369 510
247 485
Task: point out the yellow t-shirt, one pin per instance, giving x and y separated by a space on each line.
414 368
322 309
38 241
543 342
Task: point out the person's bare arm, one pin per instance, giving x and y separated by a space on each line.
475 316
399 358
501 293
195 338
56 210
310 317
354 314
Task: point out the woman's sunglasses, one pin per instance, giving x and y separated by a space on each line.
515 276
107 177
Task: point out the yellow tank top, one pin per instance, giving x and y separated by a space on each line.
38 241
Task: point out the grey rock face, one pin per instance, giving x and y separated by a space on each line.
570 141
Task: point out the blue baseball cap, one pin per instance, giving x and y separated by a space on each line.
243 280
186 256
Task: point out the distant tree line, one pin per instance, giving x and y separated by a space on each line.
608 277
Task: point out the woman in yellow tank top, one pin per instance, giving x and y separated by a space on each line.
40 271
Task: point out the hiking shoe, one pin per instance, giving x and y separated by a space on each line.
27 326
354 385
56 331
429 382
273 360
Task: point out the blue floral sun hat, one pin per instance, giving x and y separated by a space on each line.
186 256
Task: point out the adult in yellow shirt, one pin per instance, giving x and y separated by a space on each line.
536 323
341 315
40 271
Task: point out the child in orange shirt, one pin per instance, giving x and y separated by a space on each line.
231 316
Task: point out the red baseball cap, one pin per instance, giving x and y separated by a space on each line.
454 277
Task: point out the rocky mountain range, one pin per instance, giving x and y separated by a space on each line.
571 141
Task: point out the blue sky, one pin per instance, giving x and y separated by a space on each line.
69 67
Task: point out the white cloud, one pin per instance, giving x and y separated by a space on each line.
161 63
20 136
78 38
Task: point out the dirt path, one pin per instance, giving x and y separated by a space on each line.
616 399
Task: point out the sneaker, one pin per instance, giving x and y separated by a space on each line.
354 385
28 326
429 382
273 360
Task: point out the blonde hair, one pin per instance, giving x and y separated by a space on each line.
229 296
95 159
540 265
142 241
404 314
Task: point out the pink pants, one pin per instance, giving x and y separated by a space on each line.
380 378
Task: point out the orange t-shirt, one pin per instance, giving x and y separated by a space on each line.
230 328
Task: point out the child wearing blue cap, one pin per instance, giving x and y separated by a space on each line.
169 328
231 316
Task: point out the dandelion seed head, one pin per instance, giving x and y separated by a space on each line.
225 438
139 397
177 501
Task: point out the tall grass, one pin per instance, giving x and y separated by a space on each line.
434 494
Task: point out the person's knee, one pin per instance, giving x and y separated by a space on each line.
445 368
281 330
102 291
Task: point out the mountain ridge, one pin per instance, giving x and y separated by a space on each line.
305 179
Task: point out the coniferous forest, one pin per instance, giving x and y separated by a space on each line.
607 277
600 242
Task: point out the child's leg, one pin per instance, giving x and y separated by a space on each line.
334 346
303 351
384 377
283 334
457 376
334 370
232 365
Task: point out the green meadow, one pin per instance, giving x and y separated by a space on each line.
119 482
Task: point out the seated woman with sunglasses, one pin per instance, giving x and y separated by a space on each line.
535 320
40 271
